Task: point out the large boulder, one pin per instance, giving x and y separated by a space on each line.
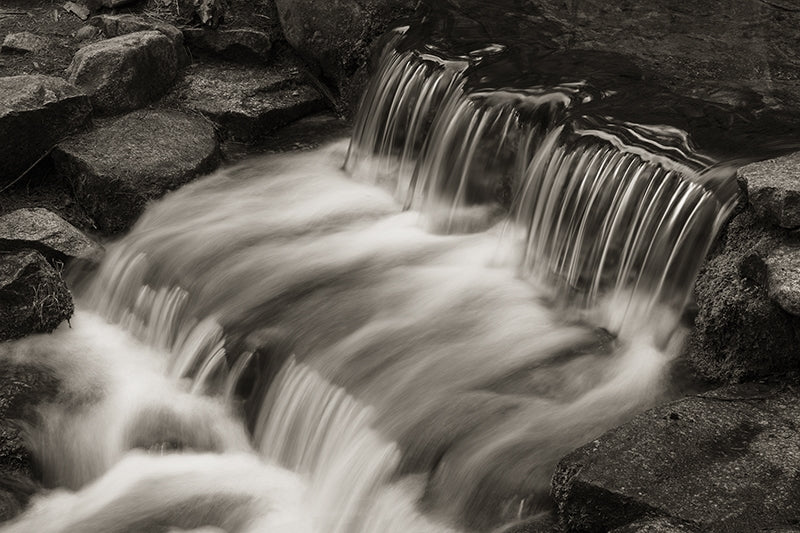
52 236
247 101
33 297
238 44
116 25
35 113
335 36
721 461
773 189
126 162
125 72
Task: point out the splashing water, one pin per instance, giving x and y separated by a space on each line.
391 378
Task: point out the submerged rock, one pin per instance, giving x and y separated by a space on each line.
723 461
241 44
35 113
247 101
773 189
125 72
125 162
49 234
24 42
33 297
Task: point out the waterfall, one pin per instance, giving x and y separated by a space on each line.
402 335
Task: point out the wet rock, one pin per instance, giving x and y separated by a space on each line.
125 162
336 36
773 189
116 25
722 461
23 42
49 234
739 331
243 44
33 297
35 113
125 72
783 278
247 101
21 388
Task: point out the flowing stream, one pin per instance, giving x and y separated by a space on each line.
403 335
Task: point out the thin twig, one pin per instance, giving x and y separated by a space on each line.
15 180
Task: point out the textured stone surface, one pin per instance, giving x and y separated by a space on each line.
33 297
739 331
783 278
773 189
116 25
24 42
35 113
722 461
241 44
125 72
48 233
207 12
247 102
125 162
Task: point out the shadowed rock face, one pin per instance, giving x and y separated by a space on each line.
722 461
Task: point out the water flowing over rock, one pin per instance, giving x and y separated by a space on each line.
125 72
126 162
33 297
721 461
49 234
35 113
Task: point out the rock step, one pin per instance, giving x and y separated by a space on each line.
773 189
126 162
35 113
33 297
239 44
722 461
52 236
246 102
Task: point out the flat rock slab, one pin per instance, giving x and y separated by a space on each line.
35 113
125 72
723 461
773 189
116 25
241 44
49 234
23 42
247 101
33 297
125 162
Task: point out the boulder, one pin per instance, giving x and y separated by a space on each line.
49 234
33 297
86 33
773 189
125 72
241 44
21 388
783 278
740 332
247 101
721 461
35 113
24 42
207 12
126 162
336 36
116 25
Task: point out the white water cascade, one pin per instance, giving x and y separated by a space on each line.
281 347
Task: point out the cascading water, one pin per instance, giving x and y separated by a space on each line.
392 378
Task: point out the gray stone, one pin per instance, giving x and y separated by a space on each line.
125 72
722 461
24 42
773 189
35 113
126 162
33 297
85 33
116 25
242 44
207 12
783 278
655 525
739 332
117 3
247 101
48 233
